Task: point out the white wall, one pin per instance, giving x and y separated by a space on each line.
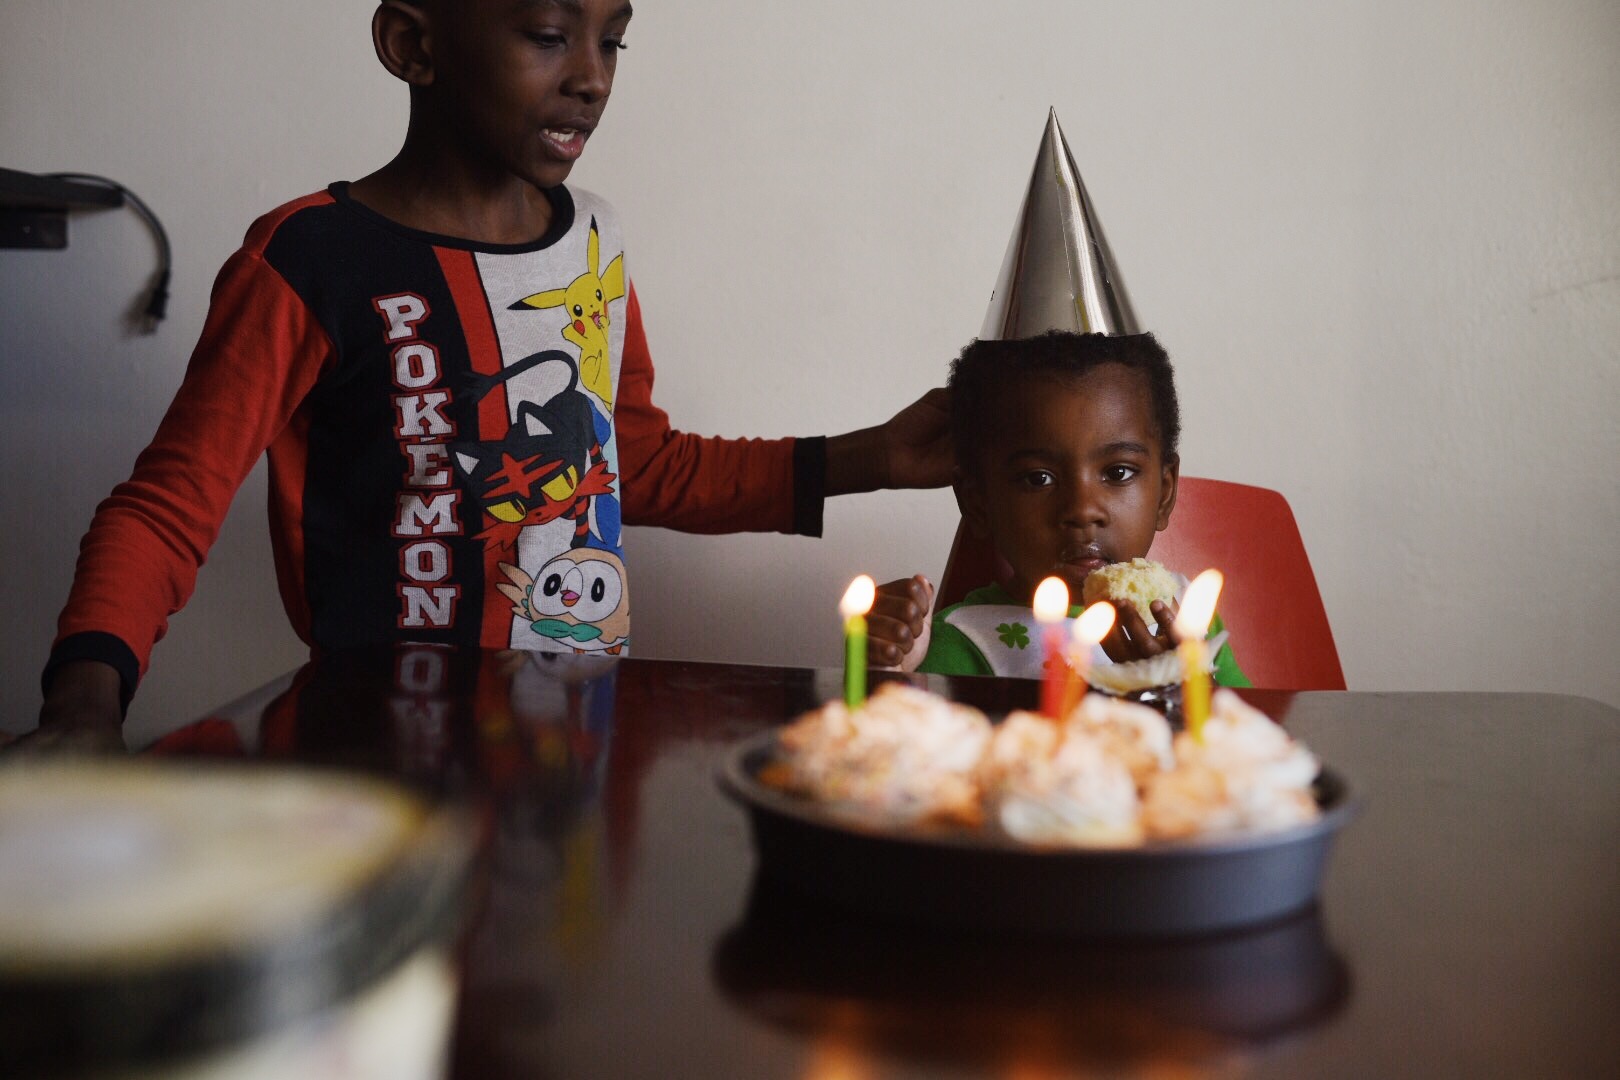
1382 241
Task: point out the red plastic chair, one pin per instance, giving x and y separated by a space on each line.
1270 602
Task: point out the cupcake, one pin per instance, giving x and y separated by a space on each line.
1239 737
1135 734
1244 773
1138 583
1196 800
1052 784
1156 680
906 756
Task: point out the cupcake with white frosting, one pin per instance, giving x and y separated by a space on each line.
1238 737
1136 734
1046 783
905 755
1243 772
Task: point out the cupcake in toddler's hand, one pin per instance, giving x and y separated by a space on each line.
1136 586
1139 583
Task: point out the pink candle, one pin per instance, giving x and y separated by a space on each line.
1051 606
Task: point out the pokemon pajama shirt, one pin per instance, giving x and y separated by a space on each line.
457 434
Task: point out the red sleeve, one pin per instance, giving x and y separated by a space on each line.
260 352
693 483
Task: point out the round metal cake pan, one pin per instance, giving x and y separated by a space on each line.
983 881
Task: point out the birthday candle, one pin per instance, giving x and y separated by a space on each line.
1051 604
856 603
1192 624
1089 629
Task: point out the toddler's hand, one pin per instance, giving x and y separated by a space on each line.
1130 640
897 628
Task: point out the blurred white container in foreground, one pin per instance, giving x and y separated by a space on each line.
198 921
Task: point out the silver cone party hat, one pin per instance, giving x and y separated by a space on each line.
1058 273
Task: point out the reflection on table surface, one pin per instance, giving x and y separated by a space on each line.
619 929
993 1002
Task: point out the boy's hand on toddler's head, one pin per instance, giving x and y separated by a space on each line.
897 628
1129 639
911 450
919 442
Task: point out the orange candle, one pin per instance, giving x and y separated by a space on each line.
1192 624
1089 629
1051 606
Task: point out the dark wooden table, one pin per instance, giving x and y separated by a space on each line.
1469 926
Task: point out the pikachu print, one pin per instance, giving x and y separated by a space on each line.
586 301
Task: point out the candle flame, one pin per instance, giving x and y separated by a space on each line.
1198 606
1094 623
858 597
1051 600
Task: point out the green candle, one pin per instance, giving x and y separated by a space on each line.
856 603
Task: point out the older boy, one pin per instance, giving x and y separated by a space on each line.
1066 462
446 363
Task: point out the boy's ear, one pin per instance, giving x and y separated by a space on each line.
400 34
970 501
1169 480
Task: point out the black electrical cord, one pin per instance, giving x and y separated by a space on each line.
157 302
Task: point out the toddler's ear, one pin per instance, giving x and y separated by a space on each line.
970 501
1169 480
